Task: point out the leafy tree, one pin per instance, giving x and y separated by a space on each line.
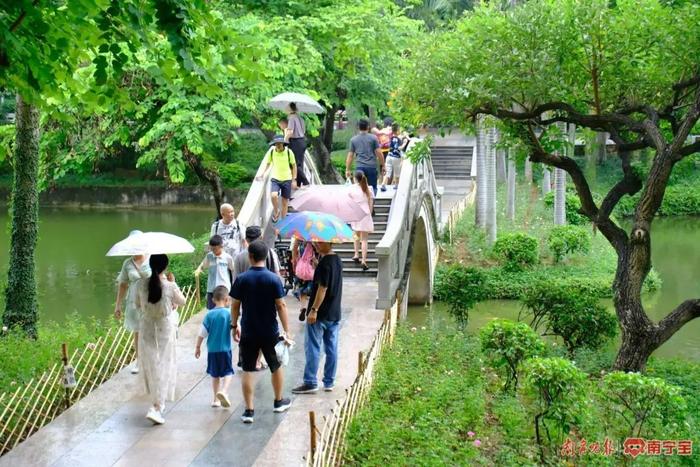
628 68
47 52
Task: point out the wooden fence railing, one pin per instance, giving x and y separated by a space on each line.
31 406
328 445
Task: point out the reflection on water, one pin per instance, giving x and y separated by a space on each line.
675 255
73 274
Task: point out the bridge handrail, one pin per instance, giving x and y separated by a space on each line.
257 207
417 180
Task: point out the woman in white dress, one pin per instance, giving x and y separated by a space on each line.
158 298
133 269
364 226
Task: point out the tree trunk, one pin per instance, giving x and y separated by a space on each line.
21 305
510 202
501 166
328 127
481 179
601 147
207 175
528 170
322 158
546 181
491 228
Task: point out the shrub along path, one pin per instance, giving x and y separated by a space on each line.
108 427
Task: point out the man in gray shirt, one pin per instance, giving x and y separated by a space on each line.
241 263
365 147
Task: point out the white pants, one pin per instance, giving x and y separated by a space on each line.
393 167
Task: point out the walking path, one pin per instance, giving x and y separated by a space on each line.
108 427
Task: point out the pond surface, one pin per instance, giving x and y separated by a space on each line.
675 255
73 273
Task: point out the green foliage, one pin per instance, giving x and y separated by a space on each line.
235 174
572 207
183 266
24 359
517 250
461 287
571 313
679 200
7 139
565 240
420 150
507 345
556 393
641 406
425 383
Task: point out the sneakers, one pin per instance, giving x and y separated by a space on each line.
155 416
329 388
281 405
302 314
383 188
223 398
135 368
216 403
305 389
248 416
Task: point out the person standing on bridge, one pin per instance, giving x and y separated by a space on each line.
323 320
261 295
295 135
365 147
229 229
284 173
364 226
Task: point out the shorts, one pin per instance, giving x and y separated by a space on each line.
393 167
284 187
219 364
249 348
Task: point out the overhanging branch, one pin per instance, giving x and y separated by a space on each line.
685 312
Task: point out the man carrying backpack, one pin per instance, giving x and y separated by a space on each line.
229 229
284 174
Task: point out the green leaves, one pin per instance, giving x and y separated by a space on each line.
517 250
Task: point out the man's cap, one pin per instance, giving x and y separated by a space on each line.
278 139
252 232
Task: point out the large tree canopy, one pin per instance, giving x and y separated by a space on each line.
630 68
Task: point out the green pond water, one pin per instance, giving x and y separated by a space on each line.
73 273
675 255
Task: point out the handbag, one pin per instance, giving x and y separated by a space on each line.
304 269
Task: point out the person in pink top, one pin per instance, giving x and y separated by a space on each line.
364 226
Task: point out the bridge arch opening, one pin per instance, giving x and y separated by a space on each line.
420 276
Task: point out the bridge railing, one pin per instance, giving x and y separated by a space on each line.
417 183
257 207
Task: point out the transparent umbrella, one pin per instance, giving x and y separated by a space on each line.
304 103
151 243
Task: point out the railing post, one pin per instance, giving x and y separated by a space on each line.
312 427
360 363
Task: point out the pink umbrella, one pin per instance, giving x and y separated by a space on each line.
340 201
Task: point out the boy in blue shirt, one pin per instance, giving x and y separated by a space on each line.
216 328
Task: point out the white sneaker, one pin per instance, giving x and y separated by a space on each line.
155 416
135 368
216 404
223 399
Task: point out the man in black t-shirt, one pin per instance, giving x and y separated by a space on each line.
323 320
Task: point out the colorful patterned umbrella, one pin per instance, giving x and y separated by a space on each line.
315 227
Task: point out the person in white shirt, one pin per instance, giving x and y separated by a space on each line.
230 230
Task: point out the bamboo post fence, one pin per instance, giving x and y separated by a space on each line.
327 446
26 409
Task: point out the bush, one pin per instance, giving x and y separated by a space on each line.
641 406
572 313
507 344
517 250
554 391
568 239
235 174
461 287
573 205
679 200
183 266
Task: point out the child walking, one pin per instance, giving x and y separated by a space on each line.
219 265
216 328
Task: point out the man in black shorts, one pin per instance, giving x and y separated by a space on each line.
283 176
262 296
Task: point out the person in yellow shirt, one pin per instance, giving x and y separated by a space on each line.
283 177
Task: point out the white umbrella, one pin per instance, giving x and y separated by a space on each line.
151 243
304 103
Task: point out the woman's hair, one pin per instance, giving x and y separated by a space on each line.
158 264
292 106
362 181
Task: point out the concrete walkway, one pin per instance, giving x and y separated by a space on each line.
108 427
